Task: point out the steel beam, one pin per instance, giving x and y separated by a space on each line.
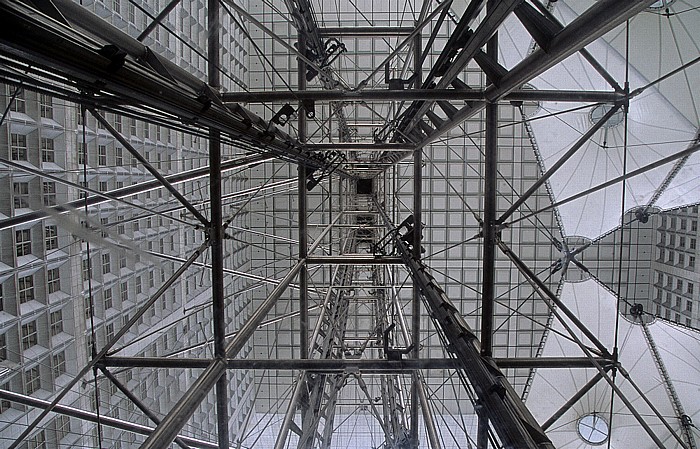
354 259
378 31
302 213
681 154
92 417
488 226
151 169
421 94
342 365
216 228
135 189
48 45
137 402
185 407
159 18
103 352
558 164
600 18
572 400
512 421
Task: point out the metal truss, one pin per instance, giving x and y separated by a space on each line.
126 74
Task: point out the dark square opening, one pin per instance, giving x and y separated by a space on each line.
364 187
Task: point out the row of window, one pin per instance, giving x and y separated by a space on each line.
676 317
23 240
680 223
667 281
681 240
677 258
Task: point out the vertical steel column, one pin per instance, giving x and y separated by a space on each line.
216 230
488 228
303 233
489 224
417 233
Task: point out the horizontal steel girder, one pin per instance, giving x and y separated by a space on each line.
354 259
349 365
365 31
92 417
421 94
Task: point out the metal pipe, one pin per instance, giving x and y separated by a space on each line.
302 212
159 18
216 228
185 407
557 165
147 165
92 417
103 352
421 94
488 225
354 259
572 400
124 192
137 402
681 154
353 31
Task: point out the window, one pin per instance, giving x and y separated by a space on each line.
691 262
25 289
693 243
19 105
681 259
681 241
87 303
62 426
678 302
122 259
672 240
101 154
51 237
661 278
47 150
29 335
689 306
120 226
32 382
673 222
107 299
151 279
146 132
21 191
46 106
138 284
106 264
53 280
131 13
3 347
103 186
124 291
691 288
132 124
135 225
49 189
23 242
38 441
683 225
82 154
687 322
110 331
56 324
18 147
118 156
87 272
104 224
58 364
671 256
85 186
694 225
679 284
